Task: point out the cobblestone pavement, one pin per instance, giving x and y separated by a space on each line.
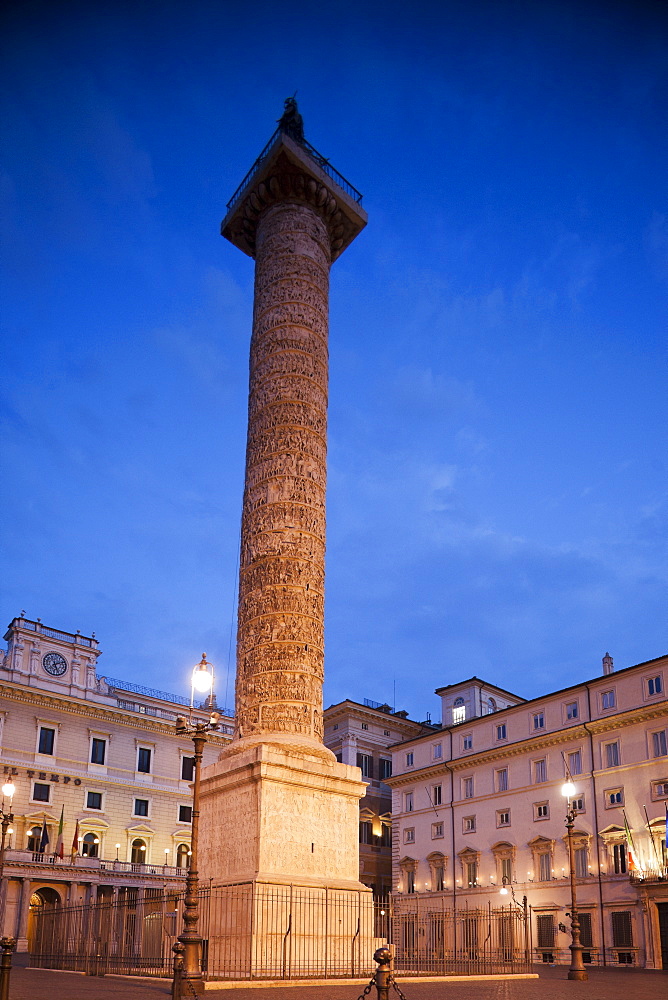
603 984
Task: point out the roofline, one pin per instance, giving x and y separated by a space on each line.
376 711
528 701
447 687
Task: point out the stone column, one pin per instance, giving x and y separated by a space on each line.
23 912
280 645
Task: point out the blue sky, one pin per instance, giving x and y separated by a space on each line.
497 498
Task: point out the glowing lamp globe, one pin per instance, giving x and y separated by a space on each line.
202 677
8 790
568 789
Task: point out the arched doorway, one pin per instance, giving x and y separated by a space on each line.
34 838
39 899
183 856
90 845
138 852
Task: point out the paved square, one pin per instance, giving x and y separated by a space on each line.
603 984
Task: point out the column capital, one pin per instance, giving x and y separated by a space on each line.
286 171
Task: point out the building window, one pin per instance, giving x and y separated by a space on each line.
335 726
365 764
540 770
385 768
93 800
503 817
98 751
467 742
467 786
436 795
365 725
409 759
622 932
41 792
141 807
660 789
409 835
586 938
182 856
469 824
507 869
138 851
386 732
187 769
619 859
581 862
386 835
502 779
439 879
539 720
366 832
578 804
90 845
572 710
491 705
34 839
614 797
472 873
612 754
410 881
438 751
659 748
185 814
546 935
436 831
575 762
608 700
654 685
501 732
144 760
47 741
541 810
408 802
458 711
339 757
544 867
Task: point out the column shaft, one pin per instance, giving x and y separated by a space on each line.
280 642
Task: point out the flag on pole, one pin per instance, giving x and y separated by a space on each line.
59 842
75 842
44 840
630 846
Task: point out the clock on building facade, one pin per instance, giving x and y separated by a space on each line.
54 664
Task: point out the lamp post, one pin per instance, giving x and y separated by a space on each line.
202 681
8 790
577 970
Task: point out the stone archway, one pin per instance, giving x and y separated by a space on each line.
46 896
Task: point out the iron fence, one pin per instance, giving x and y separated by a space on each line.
254 931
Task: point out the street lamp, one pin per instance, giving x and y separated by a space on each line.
577 970
202 681
8 790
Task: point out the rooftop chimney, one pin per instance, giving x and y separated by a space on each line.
607 664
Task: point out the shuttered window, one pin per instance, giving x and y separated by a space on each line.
545 930
585 930
622 936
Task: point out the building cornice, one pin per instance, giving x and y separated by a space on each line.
91 710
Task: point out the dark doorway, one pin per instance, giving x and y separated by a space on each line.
663 933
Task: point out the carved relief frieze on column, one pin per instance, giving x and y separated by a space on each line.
280 643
